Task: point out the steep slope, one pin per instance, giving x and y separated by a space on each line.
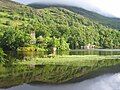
11 10
76 29
107 21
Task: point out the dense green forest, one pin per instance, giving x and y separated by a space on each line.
106 21
53 27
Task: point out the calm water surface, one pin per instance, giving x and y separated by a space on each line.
104 82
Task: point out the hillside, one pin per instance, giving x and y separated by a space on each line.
106 21
57 26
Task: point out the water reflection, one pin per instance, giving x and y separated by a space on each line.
51 74
95 52
104 82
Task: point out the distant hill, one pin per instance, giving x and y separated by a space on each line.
107 21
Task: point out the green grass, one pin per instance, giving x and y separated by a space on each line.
75 60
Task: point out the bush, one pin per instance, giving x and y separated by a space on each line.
63 45
12 39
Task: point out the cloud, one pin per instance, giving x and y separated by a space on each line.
104 7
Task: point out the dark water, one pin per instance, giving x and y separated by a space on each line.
105 81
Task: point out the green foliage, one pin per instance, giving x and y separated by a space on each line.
12 39
106 21
63 45
64 25
49 42
31 48
2 54
7 23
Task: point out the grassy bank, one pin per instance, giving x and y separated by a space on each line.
74 60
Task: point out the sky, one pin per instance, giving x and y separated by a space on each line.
104 7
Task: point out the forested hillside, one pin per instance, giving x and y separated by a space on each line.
53 27
106 21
